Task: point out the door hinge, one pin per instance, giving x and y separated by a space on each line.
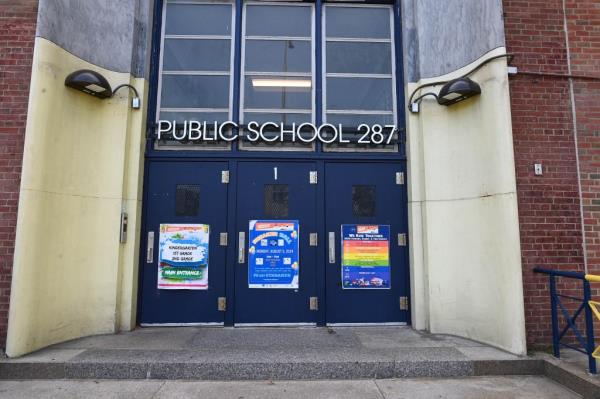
313 239
403 303
399 178
222 304
402 239
313 177
223 239
314 303
224 176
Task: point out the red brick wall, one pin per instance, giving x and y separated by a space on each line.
17 35
543 130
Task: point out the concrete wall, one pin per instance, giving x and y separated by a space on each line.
464 235
83 164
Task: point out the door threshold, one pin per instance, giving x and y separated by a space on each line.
182 324
366 324
242 325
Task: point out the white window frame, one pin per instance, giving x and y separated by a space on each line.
311 74
161 71
325 74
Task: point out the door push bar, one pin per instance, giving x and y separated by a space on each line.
242 247
331 247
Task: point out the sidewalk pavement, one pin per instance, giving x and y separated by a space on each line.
521 387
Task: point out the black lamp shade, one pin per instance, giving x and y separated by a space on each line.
89 82
458 90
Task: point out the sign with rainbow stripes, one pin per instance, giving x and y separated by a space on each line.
365 256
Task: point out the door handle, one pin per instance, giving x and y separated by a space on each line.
150 247
242 247
331 247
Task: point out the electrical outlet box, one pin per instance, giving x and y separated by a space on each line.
538 169
135 103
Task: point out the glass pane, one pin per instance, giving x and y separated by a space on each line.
191 91
351 57
286 119
208 117
198 19
196 55
276 20
364 201
349 122
277 92
359 93
358 22
276 200
278 56
187 200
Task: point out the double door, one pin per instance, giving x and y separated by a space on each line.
284 243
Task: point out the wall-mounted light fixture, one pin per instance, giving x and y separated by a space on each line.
94 84
453 91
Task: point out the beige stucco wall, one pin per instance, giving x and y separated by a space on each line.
463 220
83 164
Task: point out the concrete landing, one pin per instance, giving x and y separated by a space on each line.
267 353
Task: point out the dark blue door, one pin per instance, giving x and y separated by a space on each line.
364 215
272 192
184 193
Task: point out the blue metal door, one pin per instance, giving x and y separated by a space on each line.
365 197
272 192
187 193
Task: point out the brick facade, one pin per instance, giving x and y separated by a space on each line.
543 127
544 132
17 36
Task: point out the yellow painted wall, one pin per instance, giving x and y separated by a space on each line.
465 249
83 164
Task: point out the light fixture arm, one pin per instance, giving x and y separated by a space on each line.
125 85
135 102
475 69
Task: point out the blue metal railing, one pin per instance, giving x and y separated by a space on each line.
586 343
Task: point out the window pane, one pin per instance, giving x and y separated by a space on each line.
198 19
286 118
270 92
278 56
189 91
207 117
359 93
352 57
353 121
275 20
197 55
358 22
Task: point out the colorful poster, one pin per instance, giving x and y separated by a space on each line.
183 257
273 260
365 256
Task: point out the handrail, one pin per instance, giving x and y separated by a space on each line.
592 278
560 273
586 343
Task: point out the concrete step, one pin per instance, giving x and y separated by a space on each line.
227 354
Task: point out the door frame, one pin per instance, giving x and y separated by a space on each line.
231 257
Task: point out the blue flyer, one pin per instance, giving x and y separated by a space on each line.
365 256
273 260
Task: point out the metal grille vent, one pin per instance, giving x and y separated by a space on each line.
364 200
187 200
276 200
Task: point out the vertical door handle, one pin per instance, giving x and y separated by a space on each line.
150 248
242 247
331 247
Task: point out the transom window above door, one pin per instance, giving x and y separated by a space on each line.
269 67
